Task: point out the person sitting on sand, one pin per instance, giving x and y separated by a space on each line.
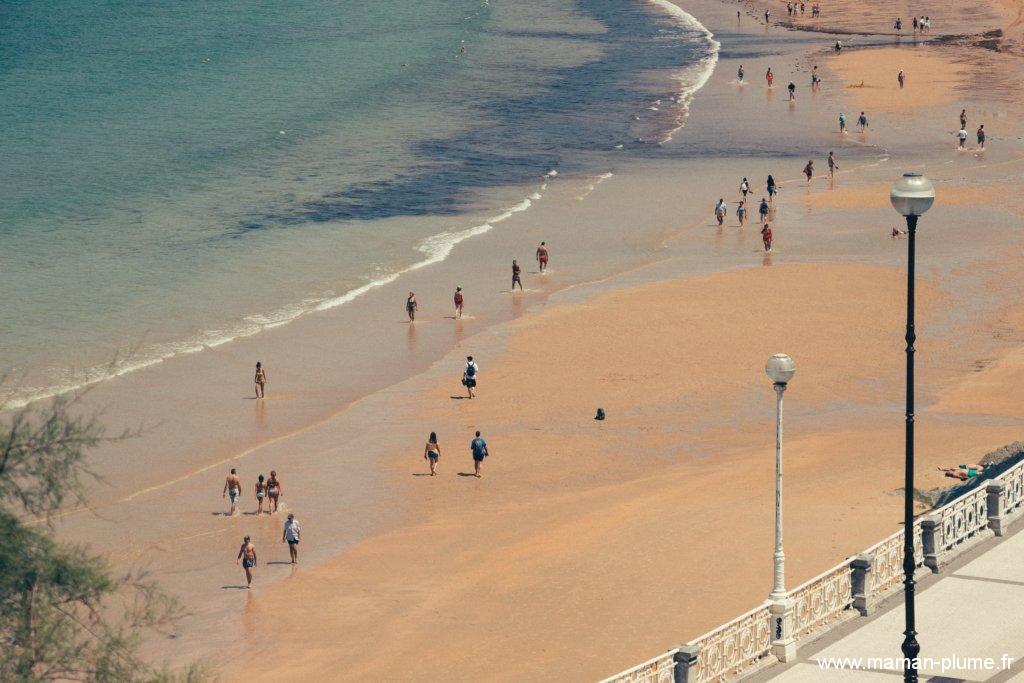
897 233
432 452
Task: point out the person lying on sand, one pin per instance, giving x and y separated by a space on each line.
962 472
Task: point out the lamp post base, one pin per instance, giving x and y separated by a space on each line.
783 623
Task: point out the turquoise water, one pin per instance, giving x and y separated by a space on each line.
178 174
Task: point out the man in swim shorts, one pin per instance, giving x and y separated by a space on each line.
469 374
247 556
291 535
232 489
542 256
479 448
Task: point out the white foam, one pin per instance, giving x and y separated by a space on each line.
695 76
436 248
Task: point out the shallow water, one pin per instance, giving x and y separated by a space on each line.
176 176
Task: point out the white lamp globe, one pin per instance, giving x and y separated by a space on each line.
780 368
912 194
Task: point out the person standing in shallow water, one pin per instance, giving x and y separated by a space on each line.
411 306
769 76
516 276
260 380
832 165
479 448
432 452
901 77
274 492
232 489
247 556
459 300
261 493
792 91
291 535
542 257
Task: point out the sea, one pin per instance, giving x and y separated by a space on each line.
177 175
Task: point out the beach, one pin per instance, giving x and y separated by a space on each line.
588 546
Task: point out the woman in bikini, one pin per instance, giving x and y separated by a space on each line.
260 380
459 300
432 453
274 492
261 493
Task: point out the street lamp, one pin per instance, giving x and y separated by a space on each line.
911 196
780 369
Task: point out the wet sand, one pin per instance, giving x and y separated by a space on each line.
588 547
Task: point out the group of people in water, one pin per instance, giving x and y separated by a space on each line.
459 298
763 209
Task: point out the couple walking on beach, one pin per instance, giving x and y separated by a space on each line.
269 489
478 447
291 535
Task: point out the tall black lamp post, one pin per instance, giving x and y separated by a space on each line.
911 196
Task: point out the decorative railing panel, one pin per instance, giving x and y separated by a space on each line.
822 600
657 670
887 561
1013 494
733 647
963 518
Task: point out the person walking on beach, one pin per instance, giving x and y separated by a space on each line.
809 170
832 165
963 118
741 212
981 136
260 380
842 123
479 448
862 122
767 14
720 211
274 492
744 188
769 76
411 306
232 488
766 236
516 276
961 138
815 79
469 374
542 257
261 493
898 25
739 73
772 190
901 78
763 210
792 90
432 453
459 300
291 535
247 556
915 23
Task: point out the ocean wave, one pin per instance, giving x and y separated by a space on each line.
695 76
435 248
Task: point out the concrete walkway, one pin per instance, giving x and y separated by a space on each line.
972 611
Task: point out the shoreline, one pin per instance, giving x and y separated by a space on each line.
677 250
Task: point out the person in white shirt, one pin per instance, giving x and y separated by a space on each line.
469 374
291 535
961 138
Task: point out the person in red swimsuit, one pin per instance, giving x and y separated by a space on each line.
766 235
542 256
458 302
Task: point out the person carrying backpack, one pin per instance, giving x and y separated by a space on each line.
469 374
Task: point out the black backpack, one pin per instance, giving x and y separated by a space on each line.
470 370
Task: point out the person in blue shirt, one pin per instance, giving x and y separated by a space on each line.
479 448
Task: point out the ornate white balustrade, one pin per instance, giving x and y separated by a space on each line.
856 585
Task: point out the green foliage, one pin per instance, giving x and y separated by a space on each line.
64 615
